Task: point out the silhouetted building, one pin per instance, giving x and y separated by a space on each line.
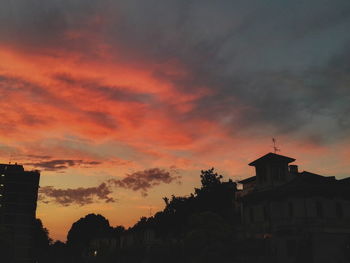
304 217
18 197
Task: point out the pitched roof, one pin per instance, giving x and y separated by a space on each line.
272 157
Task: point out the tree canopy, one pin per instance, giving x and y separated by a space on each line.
41 241
214 196
86 229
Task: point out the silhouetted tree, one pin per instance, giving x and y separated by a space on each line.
118 231
176 214
40 241
203 221
58 252
208 239
213 196
216 196
209 180
142 223
83 231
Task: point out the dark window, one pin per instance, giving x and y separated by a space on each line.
339 210
290 210
319 209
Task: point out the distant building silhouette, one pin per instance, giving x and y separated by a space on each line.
304 217
18 197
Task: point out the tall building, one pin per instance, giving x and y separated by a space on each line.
302 216
18 198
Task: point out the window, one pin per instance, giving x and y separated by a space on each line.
290 210
339 210
319 209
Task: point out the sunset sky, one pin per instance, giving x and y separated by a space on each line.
120 103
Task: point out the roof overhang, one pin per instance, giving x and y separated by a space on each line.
272 157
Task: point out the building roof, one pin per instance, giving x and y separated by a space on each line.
11 167
247 180
305 184
272 157
307 178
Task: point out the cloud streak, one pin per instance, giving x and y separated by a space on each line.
55 165
145 180
80 196
141 181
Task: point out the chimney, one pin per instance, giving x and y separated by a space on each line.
293 169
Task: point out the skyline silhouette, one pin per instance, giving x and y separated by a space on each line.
281 213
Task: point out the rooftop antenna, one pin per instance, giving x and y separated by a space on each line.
275 148
150 211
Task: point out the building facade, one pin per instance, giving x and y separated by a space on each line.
304 217
18 198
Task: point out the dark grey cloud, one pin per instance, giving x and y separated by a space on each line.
271 70
79 196
141 181
58 164
145 180
312 103
274 67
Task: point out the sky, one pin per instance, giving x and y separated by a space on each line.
120 103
